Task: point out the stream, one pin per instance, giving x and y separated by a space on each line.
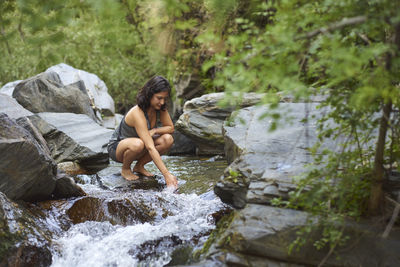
121 226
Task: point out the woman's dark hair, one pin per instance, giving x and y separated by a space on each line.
153 86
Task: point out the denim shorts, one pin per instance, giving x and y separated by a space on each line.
112 151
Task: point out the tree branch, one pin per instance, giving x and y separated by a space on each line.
334 26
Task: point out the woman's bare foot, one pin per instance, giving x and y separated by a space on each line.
128 175
142 171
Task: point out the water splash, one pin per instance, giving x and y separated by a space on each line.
103 244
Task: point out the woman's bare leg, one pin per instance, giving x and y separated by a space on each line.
162 144
127 151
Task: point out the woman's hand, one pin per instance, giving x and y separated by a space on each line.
152 132
171 180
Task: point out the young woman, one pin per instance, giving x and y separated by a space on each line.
137 138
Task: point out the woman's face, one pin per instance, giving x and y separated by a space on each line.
158 100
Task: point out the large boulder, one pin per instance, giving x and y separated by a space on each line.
263 162
258 234
76 138
45 92
26 171
23 240
12 108
202 120
96 89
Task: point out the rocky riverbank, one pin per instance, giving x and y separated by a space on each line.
47 141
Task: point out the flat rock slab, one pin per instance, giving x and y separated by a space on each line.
116 181
81 128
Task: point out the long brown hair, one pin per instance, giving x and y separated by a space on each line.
153 86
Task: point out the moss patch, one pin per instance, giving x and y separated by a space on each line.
222 225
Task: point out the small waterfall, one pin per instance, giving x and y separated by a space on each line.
178 220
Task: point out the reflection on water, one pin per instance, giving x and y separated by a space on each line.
179 220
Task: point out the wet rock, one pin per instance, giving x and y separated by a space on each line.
261 232
202 121
22 241
71 168
266 160
8 88
46 93
26 171
116 211
76 138
116 181
10 106
96 89
66 187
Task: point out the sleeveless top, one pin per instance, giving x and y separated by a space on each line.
125 131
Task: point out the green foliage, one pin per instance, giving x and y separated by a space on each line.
107 37
342 50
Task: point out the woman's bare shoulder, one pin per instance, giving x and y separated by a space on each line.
133 115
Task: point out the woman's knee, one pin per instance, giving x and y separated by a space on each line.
136 146
168 140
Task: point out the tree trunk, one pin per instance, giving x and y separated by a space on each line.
376 197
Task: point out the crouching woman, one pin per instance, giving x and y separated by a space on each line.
138 138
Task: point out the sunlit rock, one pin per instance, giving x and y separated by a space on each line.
46 93
12 108
8 88
202 120
74 137
97 90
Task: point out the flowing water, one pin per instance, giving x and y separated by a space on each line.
167 225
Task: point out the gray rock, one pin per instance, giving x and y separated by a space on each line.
272 158
259 231
8 88
26 123
202 121
74 137
26 171
116 181
10 106
96 88
46 93
182 145
23 241
66 187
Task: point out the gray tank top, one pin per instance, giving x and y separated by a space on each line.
125 131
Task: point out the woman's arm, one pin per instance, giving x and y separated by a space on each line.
138 120
167 124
